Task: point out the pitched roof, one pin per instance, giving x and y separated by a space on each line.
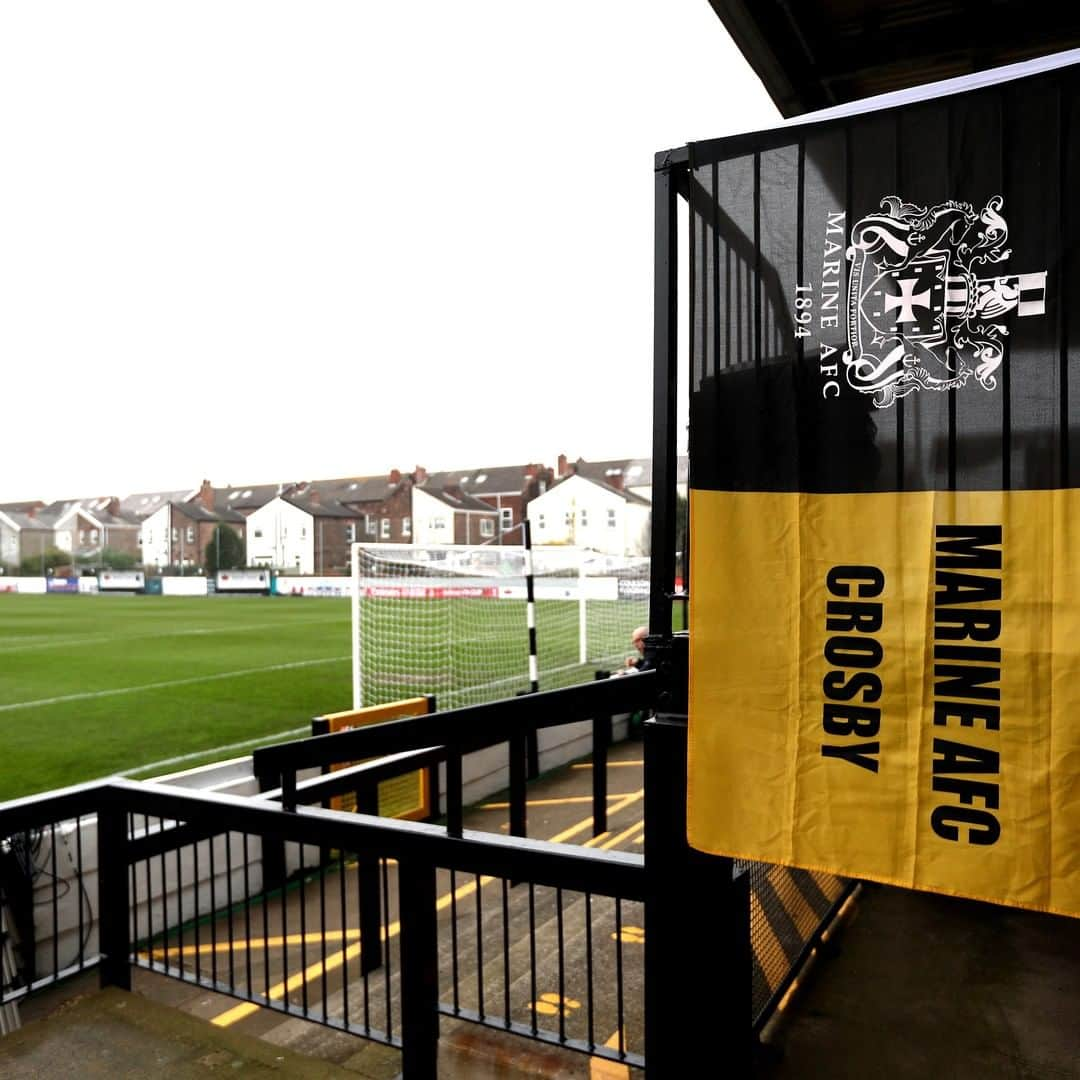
197 512
143 503
21 507
493 480
330 508
356 488
635 472
250 497
458 500
629 496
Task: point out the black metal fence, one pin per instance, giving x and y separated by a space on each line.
379 927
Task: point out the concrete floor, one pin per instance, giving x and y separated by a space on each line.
912 986
925 986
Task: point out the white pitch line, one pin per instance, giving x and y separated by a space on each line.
172 682
100 639
181 758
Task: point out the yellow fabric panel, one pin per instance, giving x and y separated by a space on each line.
762 784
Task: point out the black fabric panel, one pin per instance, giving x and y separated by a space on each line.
872 142
975 175
778 274
923 134
1068 284
764 413
1032 211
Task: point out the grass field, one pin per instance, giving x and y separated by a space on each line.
96 685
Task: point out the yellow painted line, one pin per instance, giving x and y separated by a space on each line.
569 800
637 827
318 969
768 950
239 944
795 904
602 1069
611 765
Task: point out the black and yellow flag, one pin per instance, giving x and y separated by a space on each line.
885 494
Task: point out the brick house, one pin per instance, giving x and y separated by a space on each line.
506 488
178 531
382 505
86 527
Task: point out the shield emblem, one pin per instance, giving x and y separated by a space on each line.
907 302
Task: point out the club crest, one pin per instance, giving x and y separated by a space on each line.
919 317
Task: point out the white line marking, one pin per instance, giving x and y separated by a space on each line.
172 682
96 639
181 758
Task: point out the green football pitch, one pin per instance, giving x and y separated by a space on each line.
96 685
143 685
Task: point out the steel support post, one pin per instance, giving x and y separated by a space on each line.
419 972
601 740
114 898
665 379
518 750
367 878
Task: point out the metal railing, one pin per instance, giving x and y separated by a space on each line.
382 926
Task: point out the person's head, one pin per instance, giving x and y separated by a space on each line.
637 638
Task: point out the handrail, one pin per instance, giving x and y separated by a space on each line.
348 779
562 865
472 727
34 811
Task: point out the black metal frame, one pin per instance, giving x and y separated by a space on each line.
687 894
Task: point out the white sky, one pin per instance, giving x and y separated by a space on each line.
259 241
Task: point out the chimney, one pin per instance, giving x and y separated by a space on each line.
616 480
419 475
395 476
114 505
315 497
31 512
206 495
562 466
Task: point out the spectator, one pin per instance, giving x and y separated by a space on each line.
637 640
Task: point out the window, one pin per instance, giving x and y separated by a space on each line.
350 533
611 519
406 526
487 527
569 517
176 536
540 521
384 529
438 523
93 536
82 537
258 534
190 534
584 518
369 525
507 519
303 533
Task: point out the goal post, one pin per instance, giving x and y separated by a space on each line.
451 620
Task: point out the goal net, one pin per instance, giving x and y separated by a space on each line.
451 620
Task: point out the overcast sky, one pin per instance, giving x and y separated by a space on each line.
267 241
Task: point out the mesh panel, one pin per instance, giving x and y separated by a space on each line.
787 905
451 620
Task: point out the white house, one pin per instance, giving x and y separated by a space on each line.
449 516
302 534
590 514
154 537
